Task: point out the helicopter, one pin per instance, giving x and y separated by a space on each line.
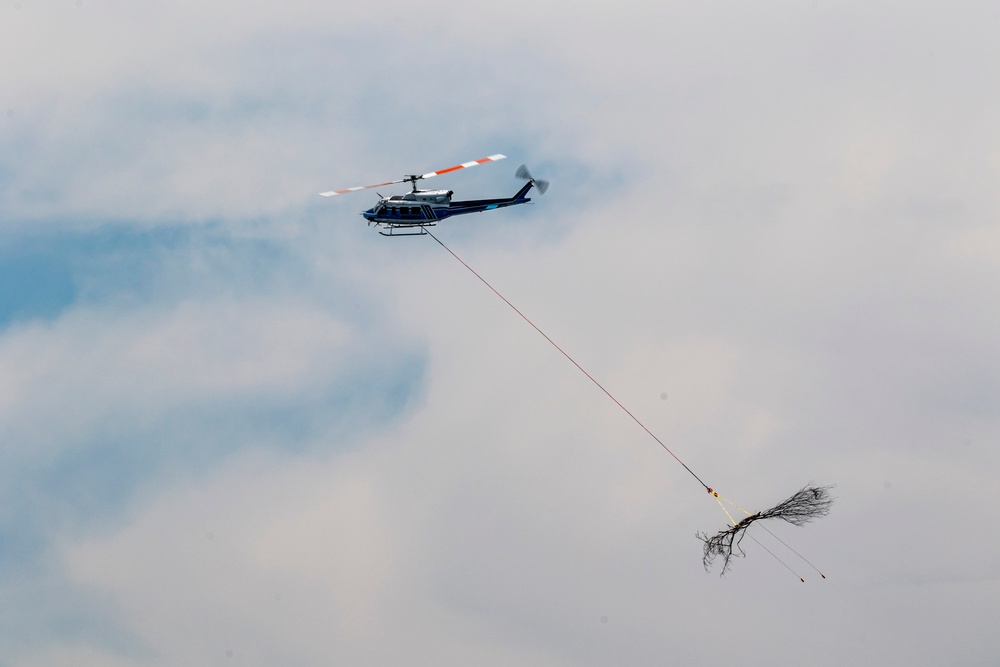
410 213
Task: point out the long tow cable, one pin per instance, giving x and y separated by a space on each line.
571 359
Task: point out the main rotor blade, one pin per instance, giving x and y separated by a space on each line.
333 193
492 158
416 177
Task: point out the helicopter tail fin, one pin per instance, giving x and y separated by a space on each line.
523 192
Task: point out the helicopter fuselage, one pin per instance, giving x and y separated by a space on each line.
424 208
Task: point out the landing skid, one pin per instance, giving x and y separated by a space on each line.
393 230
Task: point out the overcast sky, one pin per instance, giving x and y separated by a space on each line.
237 426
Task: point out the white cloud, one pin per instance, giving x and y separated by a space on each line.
780 217
90 371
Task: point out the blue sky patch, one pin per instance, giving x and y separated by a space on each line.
36 280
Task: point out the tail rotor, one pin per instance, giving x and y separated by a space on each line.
522 172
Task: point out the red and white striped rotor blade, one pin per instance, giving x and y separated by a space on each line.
492 158
473 163
333 193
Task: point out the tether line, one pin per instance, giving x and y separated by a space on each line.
571 359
